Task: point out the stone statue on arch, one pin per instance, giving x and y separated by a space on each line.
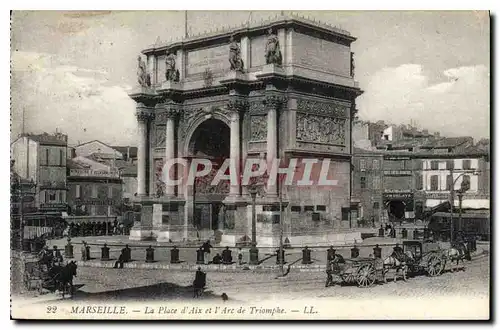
235 55
171 73
273 52
143 77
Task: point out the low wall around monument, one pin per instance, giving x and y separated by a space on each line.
345 238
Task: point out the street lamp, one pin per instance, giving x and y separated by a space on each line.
22 196
460 192
254 252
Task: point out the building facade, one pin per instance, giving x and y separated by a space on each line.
93 190
42 159
440 174
289 92
367 187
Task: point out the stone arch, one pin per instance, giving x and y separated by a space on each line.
196 122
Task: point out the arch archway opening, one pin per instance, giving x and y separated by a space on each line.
396 210
210 140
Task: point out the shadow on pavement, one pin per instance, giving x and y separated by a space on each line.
158 291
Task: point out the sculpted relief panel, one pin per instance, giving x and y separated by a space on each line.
319 129
258 128
160 136
323 108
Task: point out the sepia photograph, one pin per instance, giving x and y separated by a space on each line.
250 165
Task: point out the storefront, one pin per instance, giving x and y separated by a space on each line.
399 206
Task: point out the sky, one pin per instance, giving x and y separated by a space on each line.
71 71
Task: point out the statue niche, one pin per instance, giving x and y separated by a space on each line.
273 52
235 55
171 73
143 77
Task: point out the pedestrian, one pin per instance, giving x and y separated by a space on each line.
121 259
84 251
373 221
206 250
217 259
240 256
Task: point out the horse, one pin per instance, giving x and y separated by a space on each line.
457 253
393 262
63 276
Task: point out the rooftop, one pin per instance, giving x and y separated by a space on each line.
448 142
49 139
125 149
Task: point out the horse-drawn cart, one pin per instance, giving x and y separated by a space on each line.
363 271
424 257
37 276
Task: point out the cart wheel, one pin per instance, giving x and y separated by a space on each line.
366 276
434 266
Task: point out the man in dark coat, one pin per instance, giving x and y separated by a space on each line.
206 250
217 259
121 259
398 252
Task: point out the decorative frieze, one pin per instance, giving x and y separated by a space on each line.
329 109
320 129
258 128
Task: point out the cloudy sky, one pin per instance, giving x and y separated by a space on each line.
72 70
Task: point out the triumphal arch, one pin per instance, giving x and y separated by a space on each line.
282 89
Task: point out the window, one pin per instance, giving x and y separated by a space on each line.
386 137
315 217
94 191
376 164
276 218
46 156
434 182
320 208
170 208
52 196
42 197
418 182
61 157
110 192
77 191
376 182
309 208
449 182
362 164
296 208
363 182
466 164
376 205
450 164
434 165
345 213
165 219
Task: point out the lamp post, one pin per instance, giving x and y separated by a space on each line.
281 228
22 197
463 188
254 252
